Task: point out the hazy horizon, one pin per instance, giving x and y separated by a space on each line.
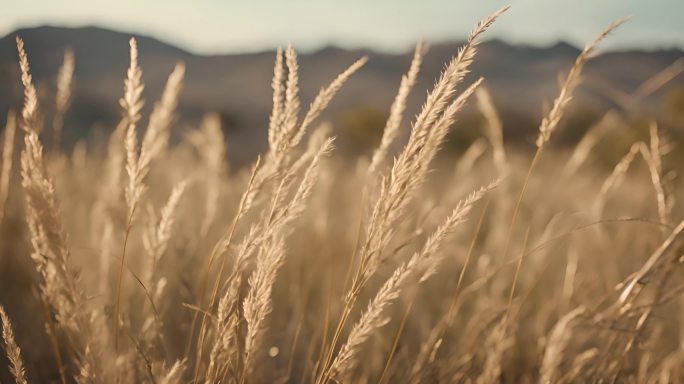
210 27
407 48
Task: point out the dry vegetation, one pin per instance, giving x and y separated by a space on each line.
153 263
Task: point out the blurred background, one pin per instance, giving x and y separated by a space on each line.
228 48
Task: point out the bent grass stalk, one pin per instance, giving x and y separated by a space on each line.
550 122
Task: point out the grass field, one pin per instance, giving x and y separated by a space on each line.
143 261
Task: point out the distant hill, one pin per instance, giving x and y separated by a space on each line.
522 79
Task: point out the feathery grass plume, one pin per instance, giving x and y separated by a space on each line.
282 142
271 247
157 135
12 349
286 104
422 265
210 145
397 109
558 340
292 103
274 223
289 132
131 103
441 128
431 255
371 319
60 287
156 240
258 303
7 158
63 99
429 130
551 120
278 110
292 132
453 74
225 344
283 212
30 109
400 186
324 97
493 129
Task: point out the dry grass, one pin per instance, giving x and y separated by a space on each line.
306 267
12 349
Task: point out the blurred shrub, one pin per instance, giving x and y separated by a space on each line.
361 129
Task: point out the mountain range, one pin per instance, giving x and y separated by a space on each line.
522 79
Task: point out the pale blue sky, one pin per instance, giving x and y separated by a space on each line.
215 26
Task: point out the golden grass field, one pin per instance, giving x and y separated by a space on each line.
137 261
